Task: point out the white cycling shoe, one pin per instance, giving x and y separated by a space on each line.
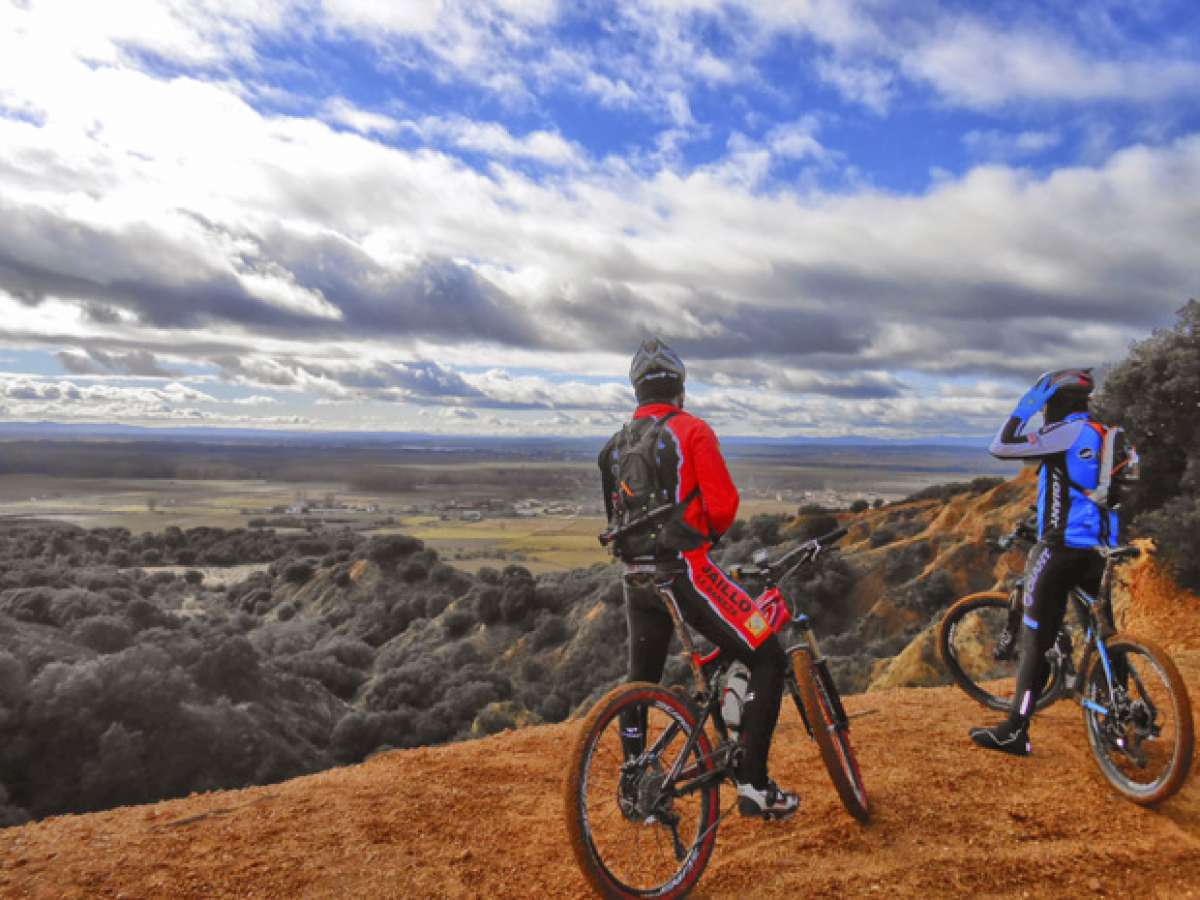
767 803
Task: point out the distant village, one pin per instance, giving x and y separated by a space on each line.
454 509
476 509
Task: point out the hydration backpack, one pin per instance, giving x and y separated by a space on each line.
1119 466
643 509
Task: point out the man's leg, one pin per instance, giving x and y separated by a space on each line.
650 630
715 606
1049 575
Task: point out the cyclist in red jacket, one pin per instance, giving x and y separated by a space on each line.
694 483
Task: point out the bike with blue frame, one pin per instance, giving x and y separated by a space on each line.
1136 708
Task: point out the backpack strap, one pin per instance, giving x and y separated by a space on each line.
1108 451
656 435
683 504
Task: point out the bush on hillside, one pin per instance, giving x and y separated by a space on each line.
946 491
765 529
387 550
815 525
1154 393
882 535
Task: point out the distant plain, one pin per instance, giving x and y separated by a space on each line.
432 495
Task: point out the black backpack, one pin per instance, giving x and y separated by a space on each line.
646 521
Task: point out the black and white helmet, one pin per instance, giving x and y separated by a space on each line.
654 361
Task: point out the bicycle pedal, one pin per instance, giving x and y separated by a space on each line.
749 809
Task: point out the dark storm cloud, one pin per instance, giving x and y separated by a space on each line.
1136 292
613 316
432 298
141 363
170 285
101 314
420 380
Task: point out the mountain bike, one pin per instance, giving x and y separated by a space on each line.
644 823
1136 709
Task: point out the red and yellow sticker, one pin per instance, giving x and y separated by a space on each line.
756 624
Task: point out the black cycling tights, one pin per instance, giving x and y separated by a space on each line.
1050 573
650 632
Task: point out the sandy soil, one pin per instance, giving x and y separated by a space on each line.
485 818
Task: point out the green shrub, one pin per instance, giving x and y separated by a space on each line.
882 535
1155 395
552 630
104 634
457 622
298 572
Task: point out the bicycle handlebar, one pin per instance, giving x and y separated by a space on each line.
1119 554
1026 531
1023 531
806 552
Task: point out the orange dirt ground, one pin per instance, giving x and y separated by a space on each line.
485 819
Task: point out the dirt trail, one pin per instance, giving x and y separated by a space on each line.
484 818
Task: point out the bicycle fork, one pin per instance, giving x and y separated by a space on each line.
824 677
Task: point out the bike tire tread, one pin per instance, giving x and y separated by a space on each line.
818 718
998 599
1186 740
600 714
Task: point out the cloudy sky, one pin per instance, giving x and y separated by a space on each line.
877 217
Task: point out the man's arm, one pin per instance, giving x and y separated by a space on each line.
717 491
1011 442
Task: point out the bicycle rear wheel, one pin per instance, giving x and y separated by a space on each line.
1144 744
633 833
967 639
821 708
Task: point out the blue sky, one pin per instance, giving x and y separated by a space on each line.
856 217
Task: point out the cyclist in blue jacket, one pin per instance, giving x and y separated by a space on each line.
1067 449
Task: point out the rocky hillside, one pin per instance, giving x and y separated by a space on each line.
484 818
343 646
140 683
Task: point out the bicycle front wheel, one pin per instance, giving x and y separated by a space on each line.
1144 738
967 641
821 709
636 830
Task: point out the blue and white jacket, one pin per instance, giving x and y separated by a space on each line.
1068 455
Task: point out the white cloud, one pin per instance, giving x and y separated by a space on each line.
494 140
254 400
1000 145
983 65
343 112
143 213
502 388
611 92
797 140
34 398
871 84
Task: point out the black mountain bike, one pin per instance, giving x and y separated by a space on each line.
646 826
1136 709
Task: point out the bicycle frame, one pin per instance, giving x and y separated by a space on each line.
706 695
1095 613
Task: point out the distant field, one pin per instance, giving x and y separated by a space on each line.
773 480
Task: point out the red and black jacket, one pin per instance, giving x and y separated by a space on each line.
691 462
